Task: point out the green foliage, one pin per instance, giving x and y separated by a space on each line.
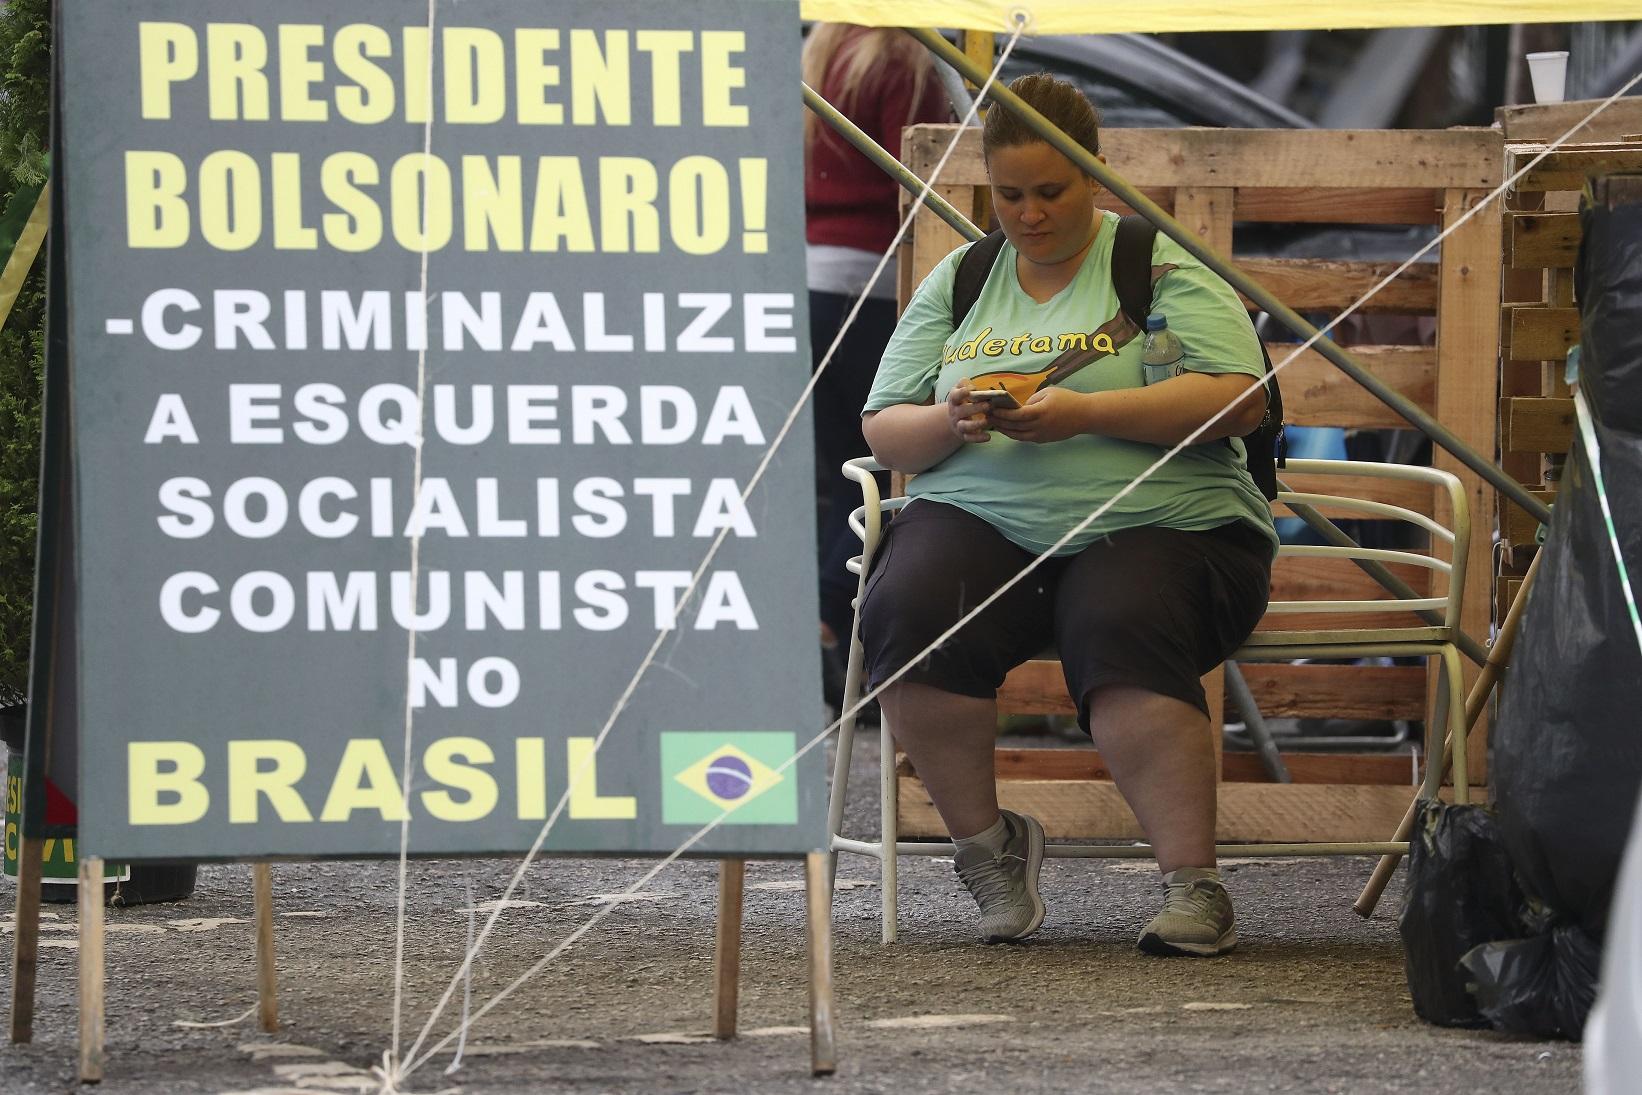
25 110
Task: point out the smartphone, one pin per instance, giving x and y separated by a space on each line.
997 397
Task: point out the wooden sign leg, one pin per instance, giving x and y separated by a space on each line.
91 970
25 954
732 874
823 1051
262 886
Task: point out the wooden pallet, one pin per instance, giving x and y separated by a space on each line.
1333 798
1539 318
1212 180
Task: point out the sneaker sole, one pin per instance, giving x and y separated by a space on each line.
1152 943
1034 865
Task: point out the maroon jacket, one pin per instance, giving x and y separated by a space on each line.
848 200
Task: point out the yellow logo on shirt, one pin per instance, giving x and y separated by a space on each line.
983 345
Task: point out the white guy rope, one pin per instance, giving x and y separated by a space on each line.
391 1062
191 1024
662 635
1031 566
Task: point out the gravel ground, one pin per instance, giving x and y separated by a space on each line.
1313 1001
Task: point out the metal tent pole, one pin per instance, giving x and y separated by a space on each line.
892 167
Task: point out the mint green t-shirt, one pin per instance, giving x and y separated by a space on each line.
1034 493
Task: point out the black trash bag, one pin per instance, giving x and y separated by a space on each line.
1461 892
13 723
1608 285
154 883
1543 986
150 884
1566 759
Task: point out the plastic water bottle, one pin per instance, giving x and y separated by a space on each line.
1161 353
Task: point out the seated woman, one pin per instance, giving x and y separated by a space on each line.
1143 602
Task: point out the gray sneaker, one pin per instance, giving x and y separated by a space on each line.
1005 885
1196 919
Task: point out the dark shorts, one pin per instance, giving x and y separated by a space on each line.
1155 608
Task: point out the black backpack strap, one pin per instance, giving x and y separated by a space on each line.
1131 270
973 270
1132 278
1132 267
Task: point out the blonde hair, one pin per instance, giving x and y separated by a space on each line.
868 58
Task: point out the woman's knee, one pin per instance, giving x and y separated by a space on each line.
917 709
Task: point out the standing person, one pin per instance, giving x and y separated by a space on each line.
1141 604
881 79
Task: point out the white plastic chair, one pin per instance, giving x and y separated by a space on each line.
1430 640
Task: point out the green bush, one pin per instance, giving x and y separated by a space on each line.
25 111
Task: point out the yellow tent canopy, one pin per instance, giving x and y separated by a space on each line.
1157 16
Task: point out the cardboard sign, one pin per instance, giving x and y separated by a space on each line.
413 375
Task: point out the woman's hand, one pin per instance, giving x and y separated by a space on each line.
1053 414
967 417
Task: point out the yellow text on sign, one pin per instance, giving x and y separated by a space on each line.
166 782
423 202
369 74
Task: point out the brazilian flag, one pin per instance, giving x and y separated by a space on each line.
705 773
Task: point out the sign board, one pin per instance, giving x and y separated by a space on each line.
57 862
415 372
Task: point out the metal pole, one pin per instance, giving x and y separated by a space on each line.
1250 288
1243 699
896 170
980 46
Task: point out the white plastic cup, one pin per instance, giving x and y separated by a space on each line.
1550 74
